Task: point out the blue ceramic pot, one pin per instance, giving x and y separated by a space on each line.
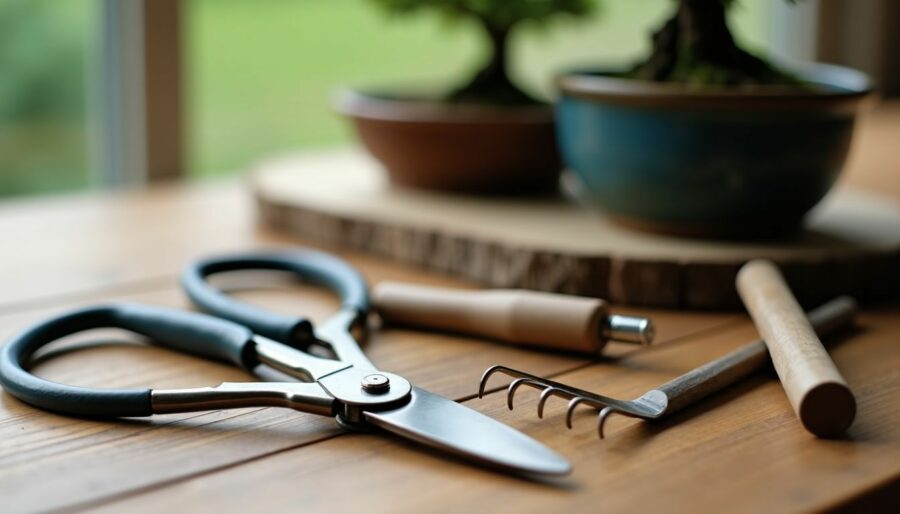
712 163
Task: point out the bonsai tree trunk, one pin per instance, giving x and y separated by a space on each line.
696 47
491 84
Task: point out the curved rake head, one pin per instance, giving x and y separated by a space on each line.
640 408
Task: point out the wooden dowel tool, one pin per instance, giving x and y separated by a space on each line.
818 393
553 321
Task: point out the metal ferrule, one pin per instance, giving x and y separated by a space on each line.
628 329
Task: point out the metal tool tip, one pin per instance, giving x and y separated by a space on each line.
511 391
570 410
629 329
545 394
482 385
601 419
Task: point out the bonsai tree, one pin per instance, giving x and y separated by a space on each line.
695 47
497 19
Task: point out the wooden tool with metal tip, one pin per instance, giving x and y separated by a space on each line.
817 391
553 321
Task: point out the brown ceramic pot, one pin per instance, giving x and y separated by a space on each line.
457 147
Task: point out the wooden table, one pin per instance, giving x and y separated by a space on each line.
742 450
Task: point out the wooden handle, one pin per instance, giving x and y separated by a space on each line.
531 318
748 359
817 392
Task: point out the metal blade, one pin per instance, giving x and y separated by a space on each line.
441 423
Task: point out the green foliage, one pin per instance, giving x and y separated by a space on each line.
491 83
497 14
41 61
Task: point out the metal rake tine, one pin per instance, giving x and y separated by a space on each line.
484 378
500 369
571 391
546 394
602 417
515 384
487 375
570 410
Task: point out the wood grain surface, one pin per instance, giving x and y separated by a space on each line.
560 244
85 462
742 450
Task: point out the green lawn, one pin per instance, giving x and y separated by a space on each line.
259 73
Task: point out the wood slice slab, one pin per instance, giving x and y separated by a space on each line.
851 244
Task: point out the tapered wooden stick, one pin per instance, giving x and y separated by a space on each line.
818 393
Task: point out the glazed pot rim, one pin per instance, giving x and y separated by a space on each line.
839 85
408 108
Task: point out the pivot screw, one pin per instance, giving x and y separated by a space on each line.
376 383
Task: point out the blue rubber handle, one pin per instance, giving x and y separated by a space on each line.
311 266
189 332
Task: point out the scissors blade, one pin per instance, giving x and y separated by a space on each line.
440 423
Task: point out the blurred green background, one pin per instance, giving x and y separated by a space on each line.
259 73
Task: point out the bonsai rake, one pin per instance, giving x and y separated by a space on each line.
677 393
